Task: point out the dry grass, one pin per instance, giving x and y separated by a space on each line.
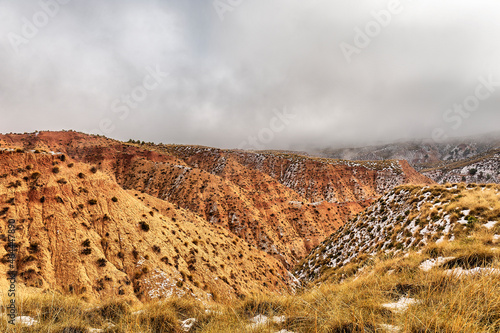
443 303
347 299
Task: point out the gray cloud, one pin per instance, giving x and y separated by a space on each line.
227 78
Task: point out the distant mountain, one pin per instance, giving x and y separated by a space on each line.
421 154
482 168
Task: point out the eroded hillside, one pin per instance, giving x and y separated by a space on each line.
79 232
408 217
281 203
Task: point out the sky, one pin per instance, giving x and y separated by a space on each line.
251 74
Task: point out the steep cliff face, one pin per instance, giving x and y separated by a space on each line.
281 203
78 231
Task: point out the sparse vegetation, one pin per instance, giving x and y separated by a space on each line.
101 262
144 225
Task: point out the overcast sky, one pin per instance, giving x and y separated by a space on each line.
335 72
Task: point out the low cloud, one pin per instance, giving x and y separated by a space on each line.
228 77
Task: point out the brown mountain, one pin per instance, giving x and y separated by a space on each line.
78 231
212 213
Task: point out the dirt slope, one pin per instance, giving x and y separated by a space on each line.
79 231
282 203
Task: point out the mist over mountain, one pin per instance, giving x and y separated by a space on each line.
218 74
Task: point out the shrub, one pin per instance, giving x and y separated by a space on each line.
114 199
55 170
144 226
87 251
92 202
81 175
15 184
62 181
101 262
93 169
34 248
4 211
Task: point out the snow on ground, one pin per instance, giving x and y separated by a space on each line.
401 305
460 272
431 263
260 320
25 320
187 324
490 224
390 328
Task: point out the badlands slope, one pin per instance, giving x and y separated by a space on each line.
283 204
79 232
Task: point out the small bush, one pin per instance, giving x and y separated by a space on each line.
101 262
144 226
62 181
55 170
114 199
87 251
34 248
4 211
92 202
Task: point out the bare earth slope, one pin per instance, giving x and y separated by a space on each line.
202 220
78 231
